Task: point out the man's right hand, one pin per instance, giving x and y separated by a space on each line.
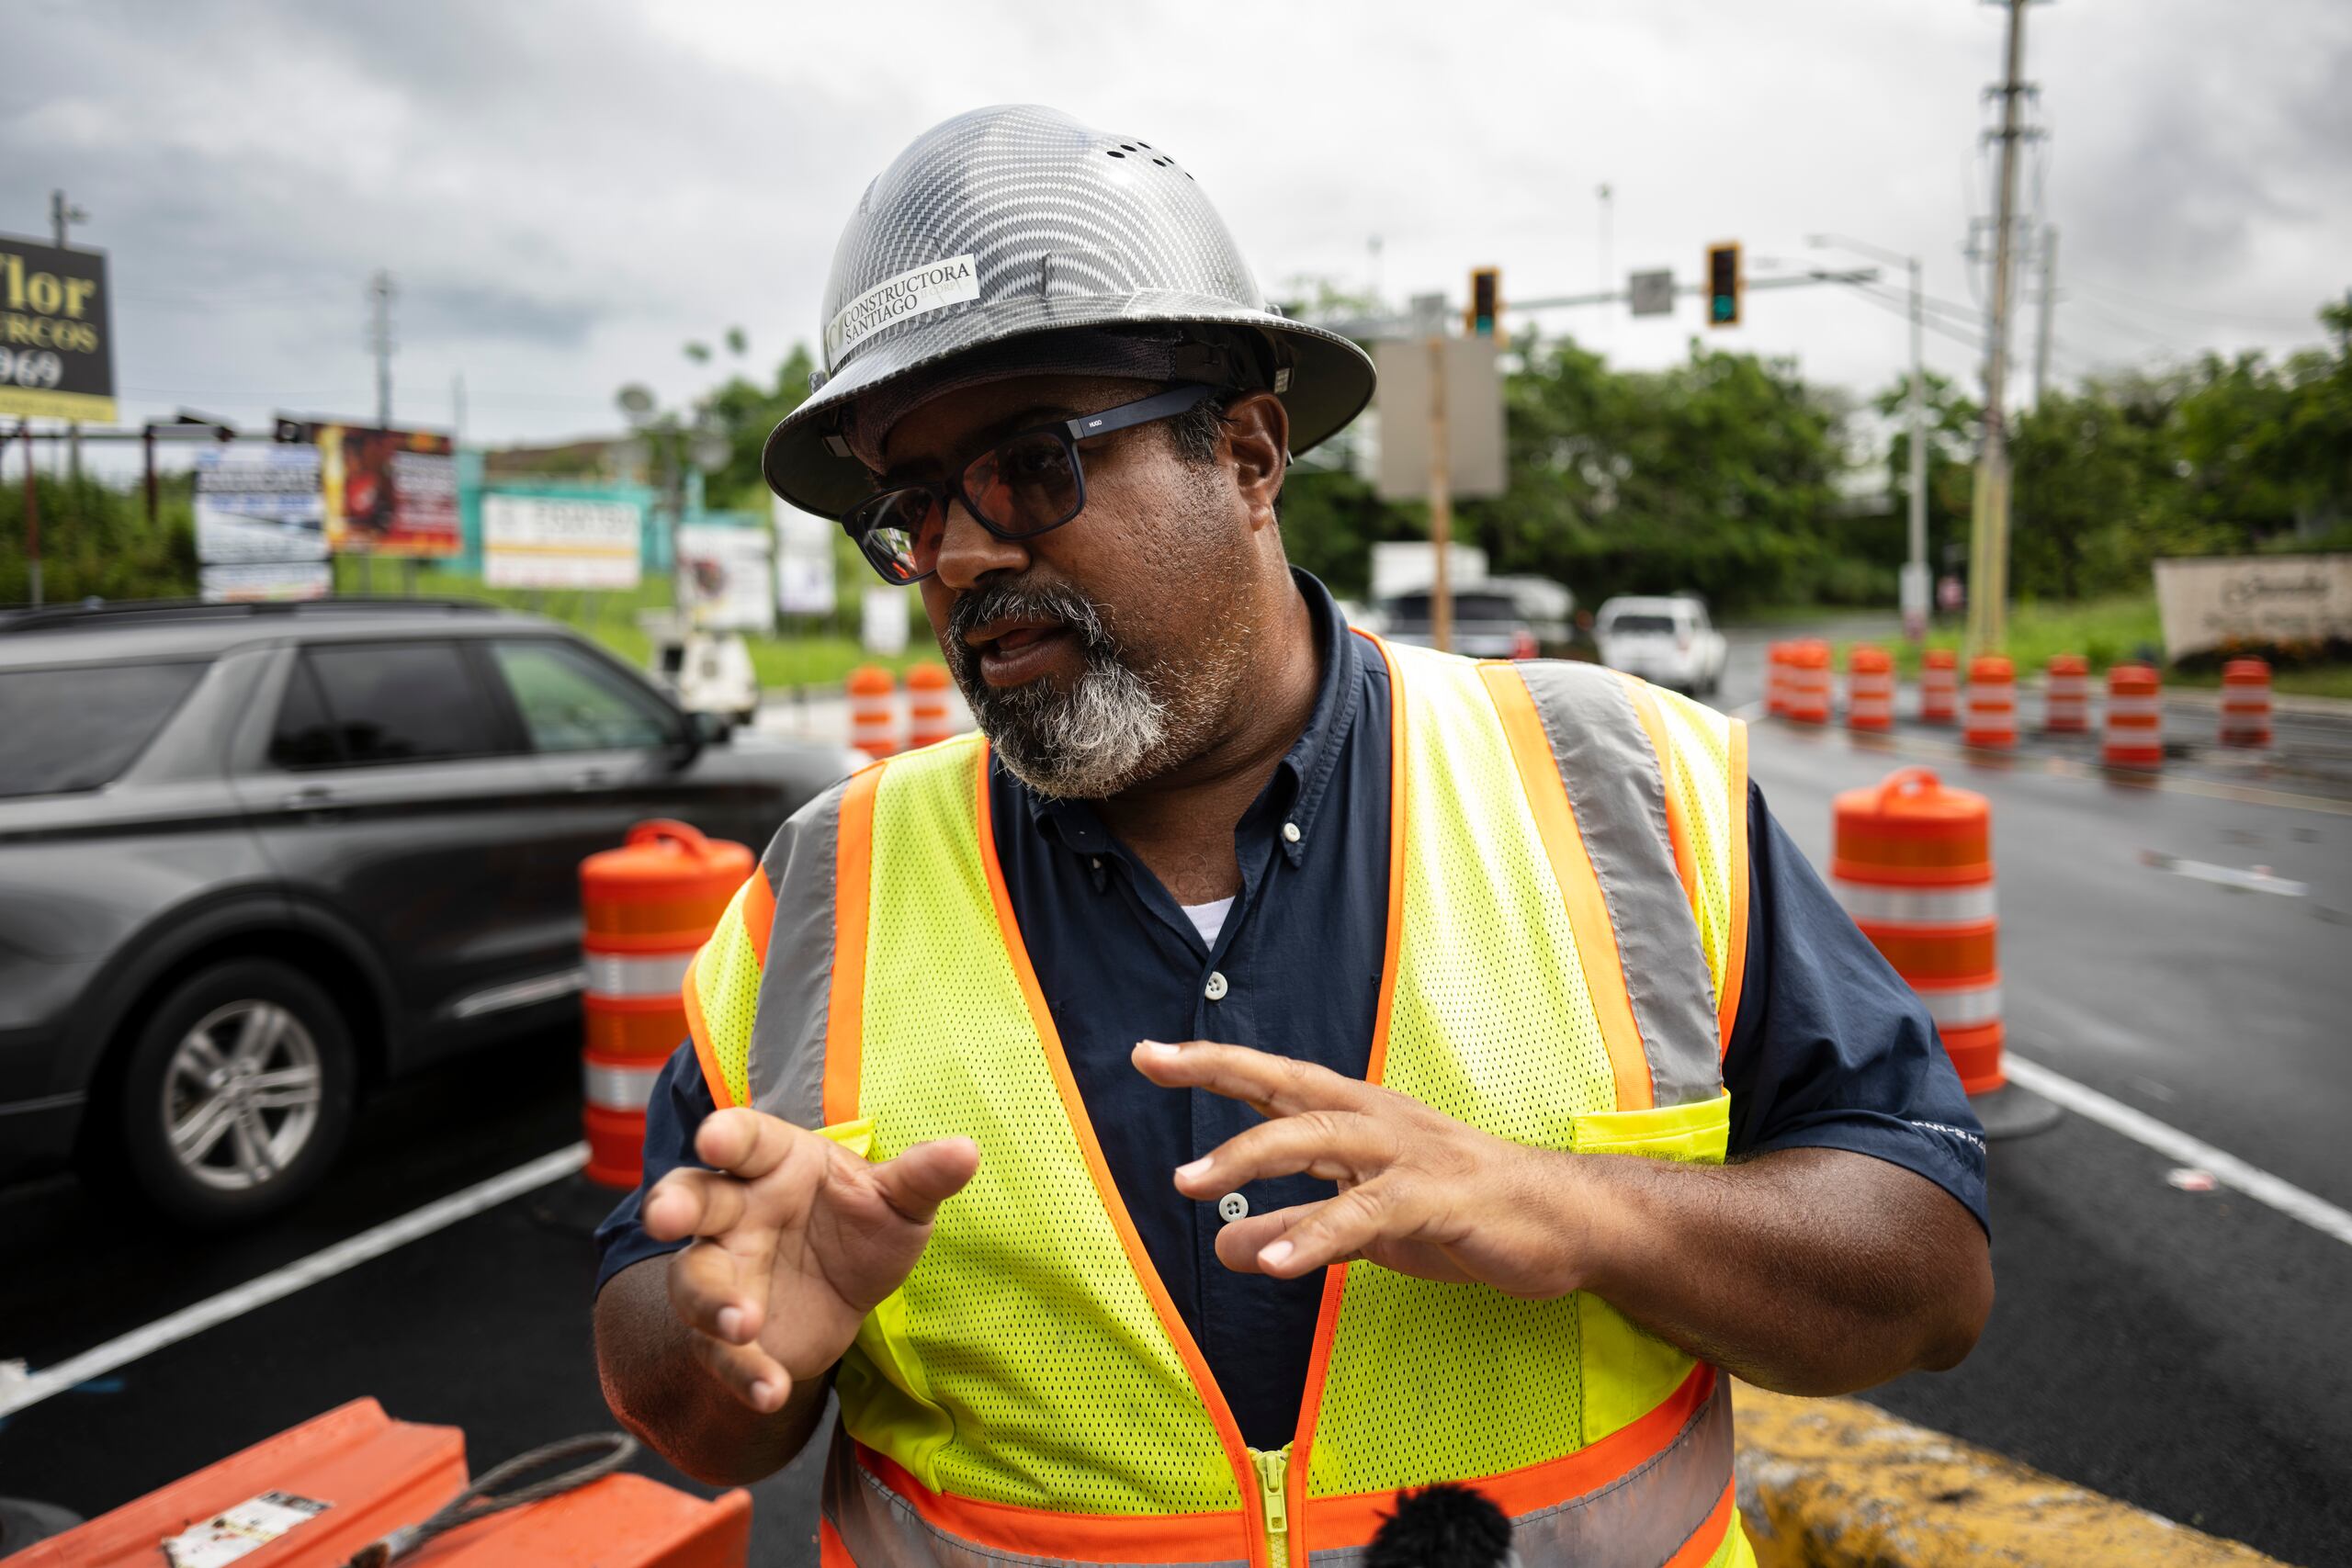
794 1241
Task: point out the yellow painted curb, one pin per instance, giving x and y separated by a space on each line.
1837 1484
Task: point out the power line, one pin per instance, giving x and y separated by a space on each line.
2128 299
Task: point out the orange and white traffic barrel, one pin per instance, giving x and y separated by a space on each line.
1913 865
2066 700
1809 682
873 711
927 719
2135 718
1775 679
1938 687
2246 702
649 905
1870 689
1992 721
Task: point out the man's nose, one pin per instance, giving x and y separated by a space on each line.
969 553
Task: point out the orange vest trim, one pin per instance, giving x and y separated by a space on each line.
1046 1533
853 893
1735 959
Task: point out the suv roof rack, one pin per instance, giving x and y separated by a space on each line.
90 612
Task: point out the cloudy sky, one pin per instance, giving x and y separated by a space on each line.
565 193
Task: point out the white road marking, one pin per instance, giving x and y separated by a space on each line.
323 1264
2171 1142
2258 879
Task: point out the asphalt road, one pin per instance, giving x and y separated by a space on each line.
2188 1351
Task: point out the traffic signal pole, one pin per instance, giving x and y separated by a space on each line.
1988 585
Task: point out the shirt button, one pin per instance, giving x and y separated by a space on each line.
1290 832
1233 1206
1216 987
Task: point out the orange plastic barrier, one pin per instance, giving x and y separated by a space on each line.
1992 703
2066 701
1913 864
1870 689
1808 683
1938 687
345 1479
649 905
1775 679
2246 702
873 714
927 720
2135 717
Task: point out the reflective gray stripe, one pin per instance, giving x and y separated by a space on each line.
635 974
883 1530
786 1073
609 1087
1614 786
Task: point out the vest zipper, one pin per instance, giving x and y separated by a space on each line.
1274 1496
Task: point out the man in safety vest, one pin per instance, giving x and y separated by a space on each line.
1266 1068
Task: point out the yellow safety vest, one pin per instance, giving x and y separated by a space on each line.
1566 916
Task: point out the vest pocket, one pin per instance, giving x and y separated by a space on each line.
1696 1133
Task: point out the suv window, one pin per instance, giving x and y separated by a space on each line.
78 728
571 700
1638 621
387 702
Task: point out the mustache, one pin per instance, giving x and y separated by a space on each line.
1011 600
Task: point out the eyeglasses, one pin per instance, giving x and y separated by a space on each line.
1024 486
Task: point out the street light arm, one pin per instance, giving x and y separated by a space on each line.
1860 247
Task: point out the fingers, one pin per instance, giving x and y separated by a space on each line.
689 1202
1238 1243
1275 1086
920 1178
1332 1146
748 1373
745 1143
1339 1228
715 1292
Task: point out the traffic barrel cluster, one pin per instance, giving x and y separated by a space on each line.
1938 687
2246 702
1808 681
1775 679
874 711
927 710
649 905
1992 721
2066 699
1913 864
2135 718
1870 689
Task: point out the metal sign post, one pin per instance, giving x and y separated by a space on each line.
1441 505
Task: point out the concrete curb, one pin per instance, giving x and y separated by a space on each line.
1837 1484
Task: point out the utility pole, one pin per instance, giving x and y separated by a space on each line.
2049 292
1988 587
62 216
1441 504
1607 281
379 342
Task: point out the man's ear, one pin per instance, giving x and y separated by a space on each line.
1256 443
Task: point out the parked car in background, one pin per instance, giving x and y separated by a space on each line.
255 857
1487 623
1665 640
1547 607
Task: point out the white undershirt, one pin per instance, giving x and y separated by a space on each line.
1208 919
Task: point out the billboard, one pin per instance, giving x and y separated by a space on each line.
724 573
56 353
266 580
387 493
2254 601
1474 418
542 541
804 562
256 503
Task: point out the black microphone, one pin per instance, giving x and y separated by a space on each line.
1443 1527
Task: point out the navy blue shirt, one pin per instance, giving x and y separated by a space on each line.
1830 1048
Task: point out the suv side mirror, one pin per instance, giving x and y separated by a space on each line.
711 729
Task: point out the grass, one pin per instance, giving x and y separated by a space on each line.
813 659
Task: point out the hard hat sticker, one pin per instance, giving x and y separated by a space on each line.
901 299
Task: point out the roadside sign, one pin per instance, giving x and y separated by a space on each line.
1651 293
1474 418
259 502
804 561
551 541
56 350
726 574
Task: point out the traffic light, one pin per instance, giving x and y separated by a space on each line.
1486 301
1722 284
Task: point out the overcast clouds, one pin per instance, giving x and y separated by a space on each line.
565 193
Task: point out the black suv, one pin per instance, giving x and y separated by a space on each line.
255 856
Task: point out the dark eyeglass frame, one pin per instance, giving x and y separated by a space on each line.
864 518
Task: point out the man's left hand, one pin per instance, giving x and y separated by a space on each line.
1420 1193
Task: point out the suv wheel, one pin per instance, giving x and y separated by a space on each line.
238 1093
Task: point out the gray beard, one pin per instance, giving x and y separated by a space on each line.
1086 743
